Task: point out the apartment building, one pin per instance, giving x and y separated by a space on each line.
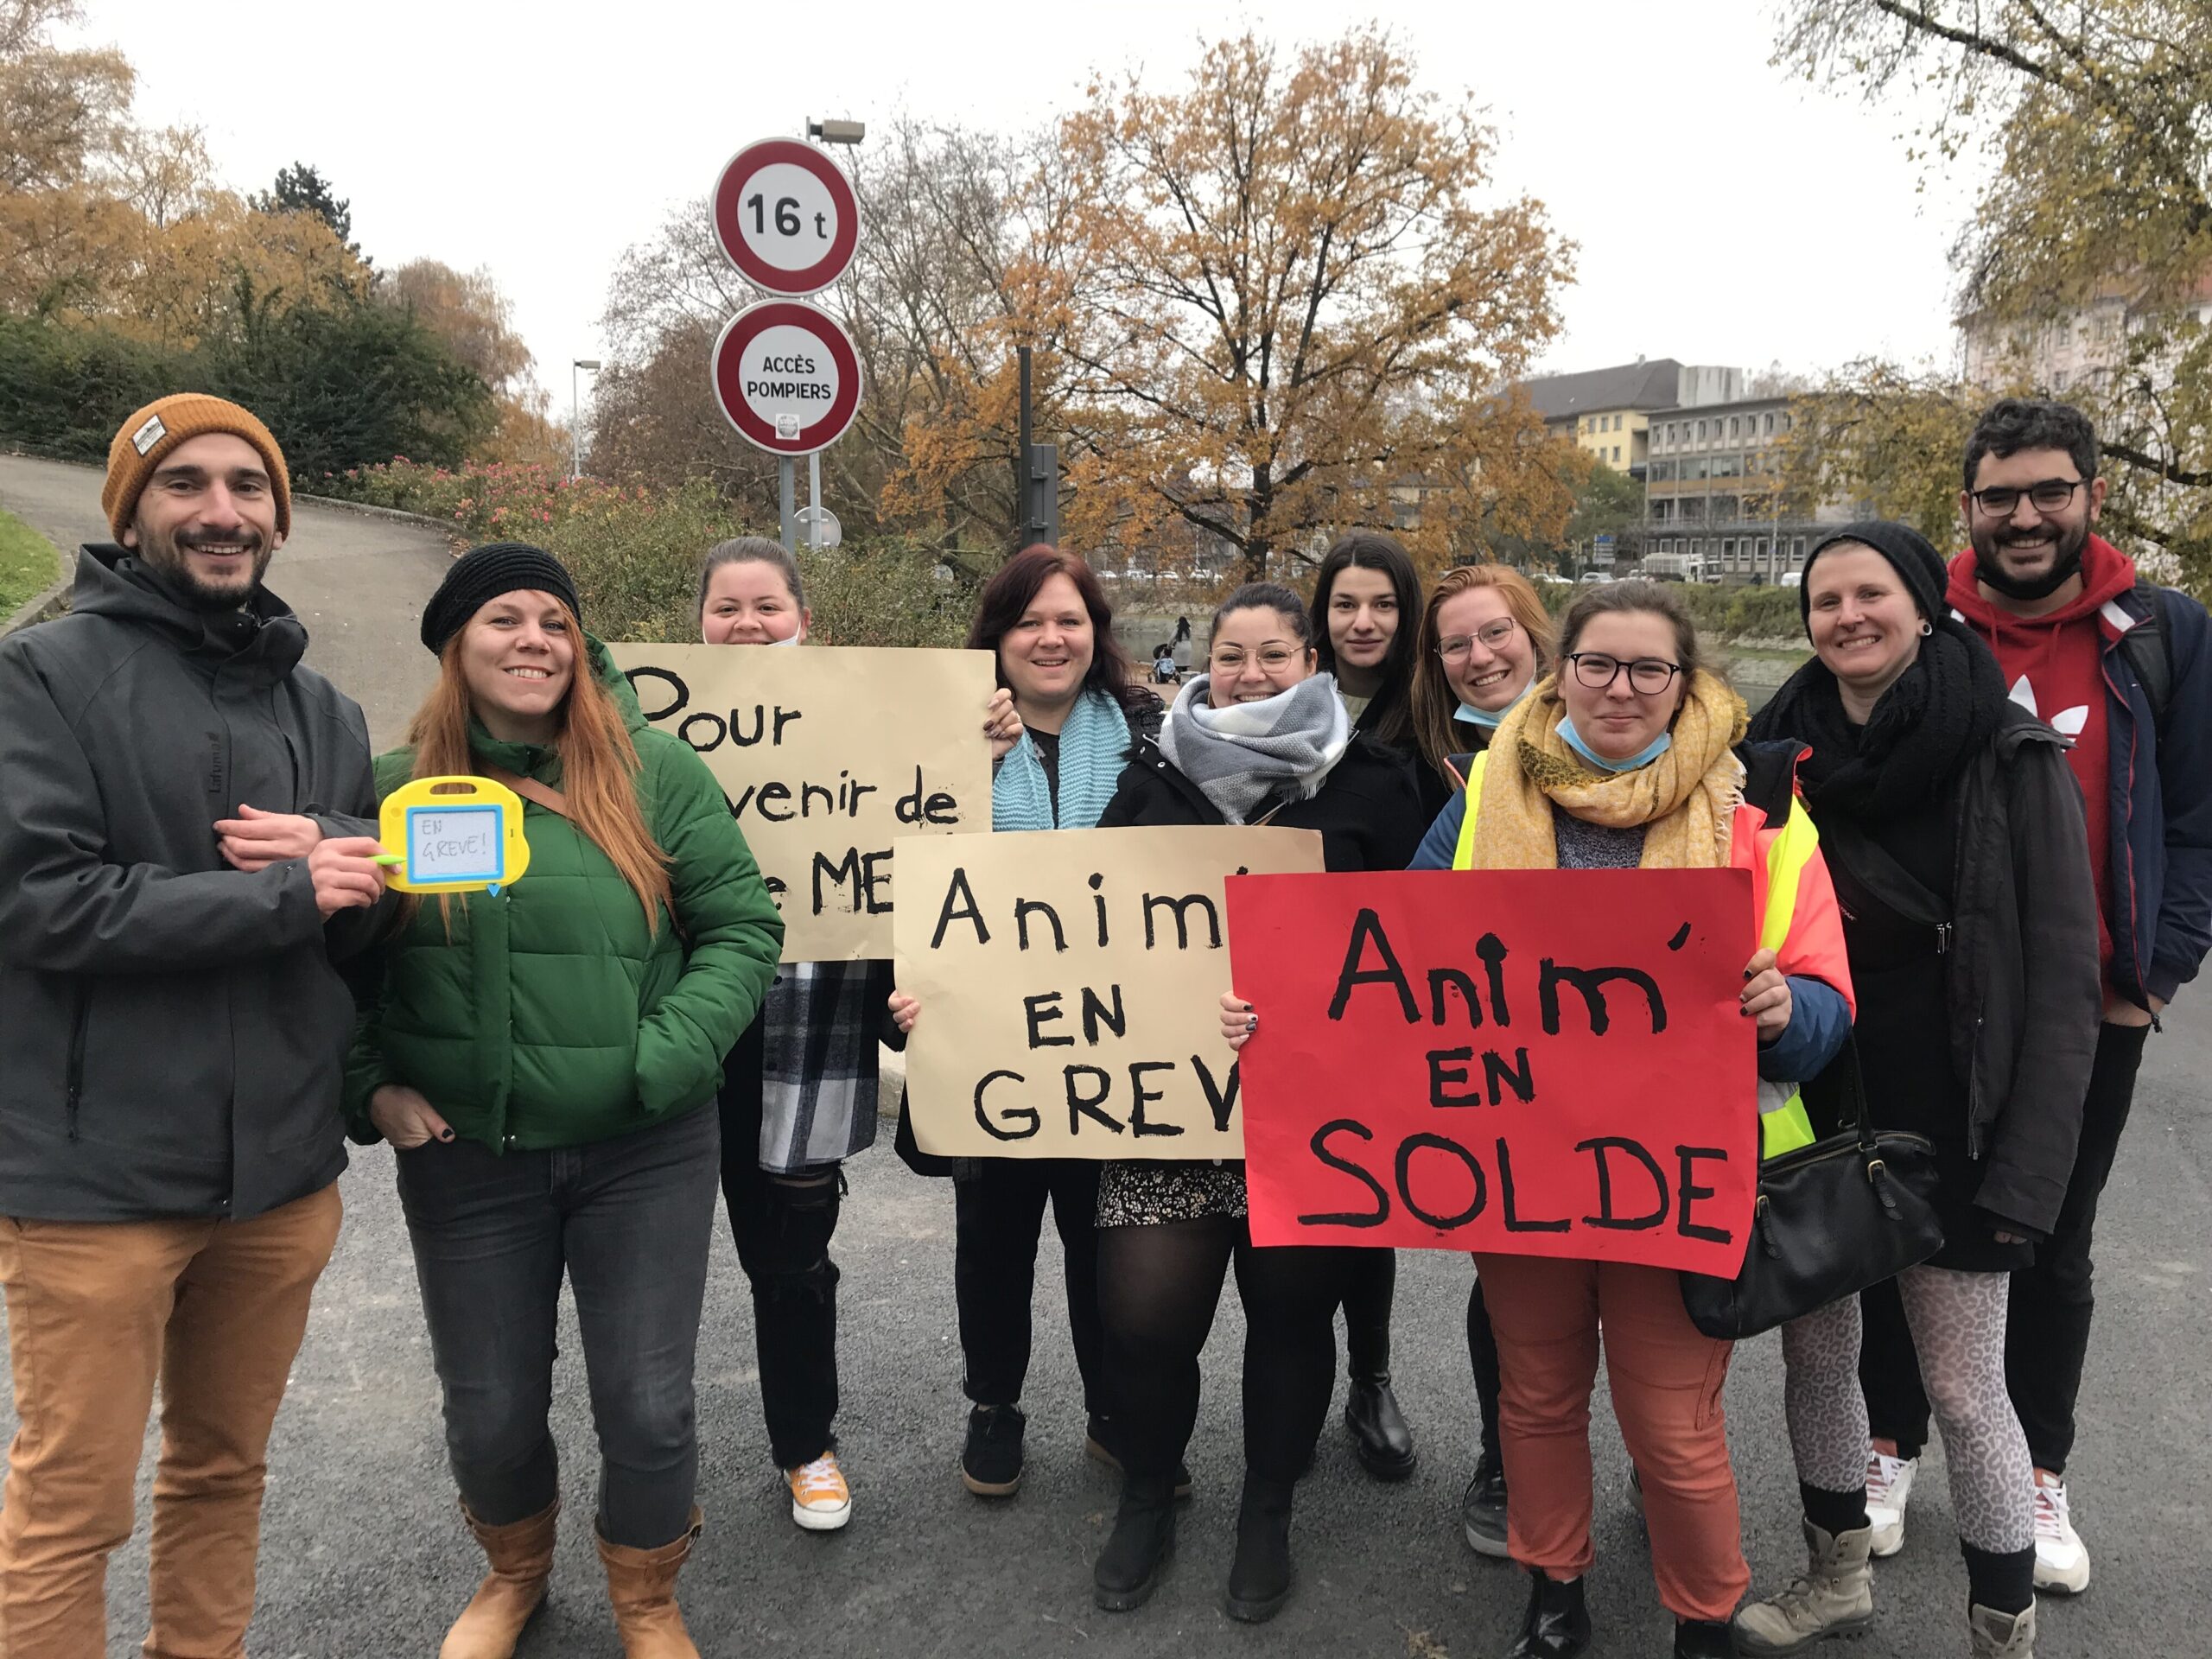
2074 352
1607 411
1715 509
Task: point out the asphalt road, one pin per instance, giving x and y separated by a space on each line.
364 1555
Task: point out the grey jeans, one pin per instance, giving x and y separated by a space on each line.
630 1222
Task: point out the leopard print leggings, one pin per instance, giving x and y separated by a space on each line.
1958 1326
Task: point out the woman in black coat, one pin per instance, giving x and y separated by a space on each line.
1954 832
1260 737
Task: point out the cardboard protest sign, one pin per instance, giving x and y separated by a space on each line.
1528 1062
1071 985
827 754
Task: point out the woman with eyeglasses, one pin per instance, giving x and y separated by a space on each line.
1631 756
1956 836
1484 640
1259 737
1365 613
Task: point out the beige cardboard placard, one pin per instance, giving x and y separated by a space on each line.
1071 985
827 754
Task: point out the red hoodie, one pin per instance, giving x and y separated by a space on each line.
2055 665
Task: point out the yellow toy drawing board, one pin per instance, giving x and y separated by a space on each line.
452 835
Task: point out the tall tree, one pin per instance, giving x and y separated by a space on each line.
1289 298
301 190
2096 119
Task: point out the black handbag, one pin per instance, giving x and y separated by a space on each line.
1832 1218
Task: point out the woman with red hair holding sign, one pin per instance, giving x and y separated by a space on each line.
1630 755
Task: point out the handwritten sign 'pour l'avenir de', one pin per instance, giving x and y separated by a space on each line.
827 754
1071 985
1536 1062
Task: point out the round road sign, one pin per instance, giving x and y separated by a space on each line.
785 216
786 375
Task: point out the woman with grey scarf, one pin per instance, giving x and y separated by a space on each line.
1259 738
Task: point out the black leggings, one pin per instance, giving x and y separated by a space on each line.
1373 1285
1158 1287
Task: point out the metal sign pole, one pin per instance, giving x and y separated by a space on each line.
814 501
786 482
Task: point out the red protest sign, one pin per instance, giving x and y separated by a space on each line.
1526 1062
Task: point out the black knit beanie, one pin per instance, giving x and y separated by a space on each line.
483 574
1919 565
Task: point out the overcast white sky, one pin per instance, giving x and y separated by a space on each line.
1725 214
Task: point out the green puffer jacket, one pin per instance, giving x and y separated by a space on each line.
550 1018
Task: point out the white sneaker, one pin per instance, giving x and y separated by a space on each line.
1888 1484
2062 1564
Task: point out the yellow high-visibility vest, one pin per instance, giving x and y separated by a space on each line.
1784 1124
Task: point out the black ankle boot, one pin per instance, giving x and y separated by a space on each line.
1130 1566
1259 1578
1557 1625
1705 1638
1379 1434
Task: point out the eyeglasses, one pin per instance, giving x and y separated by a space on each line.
2052 495
1492 634
1273 659
1648 674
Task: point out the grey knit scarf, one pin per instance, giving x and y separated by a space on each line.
1250 753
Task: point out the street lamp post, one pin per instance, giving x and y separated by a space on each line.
576 423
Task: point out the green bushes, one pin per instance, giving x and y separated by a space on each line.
635 554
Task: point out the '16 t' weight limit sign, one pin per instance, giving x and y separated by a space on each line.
786 375
787 217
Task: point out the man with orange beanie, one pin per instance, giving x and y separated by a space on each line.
186 851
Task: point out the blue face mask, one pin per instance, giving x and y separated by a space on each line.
1490 719
1650 751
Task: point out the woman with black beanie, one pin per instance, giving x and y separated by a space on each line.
1946 811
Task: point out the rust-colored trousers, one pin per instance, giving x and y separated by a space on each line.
97 1312
1666 1378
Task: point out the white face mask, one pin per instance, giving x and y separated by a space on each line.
791 641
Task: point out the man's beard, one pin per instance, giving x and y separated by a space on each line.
2066 562
167 555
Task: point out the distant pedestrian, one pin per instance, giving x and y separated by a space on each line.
1954 832
2125 669
184 854
543 1061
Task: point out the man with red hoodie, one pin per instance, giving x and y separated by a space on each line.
2122 668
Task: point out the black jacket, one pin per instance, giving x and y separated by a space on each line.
171 1029
1369 809
2025 993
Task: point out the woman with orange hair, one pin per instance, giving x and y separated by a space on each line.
544 1061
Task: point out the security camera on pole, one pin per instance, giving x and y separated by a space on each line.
784 371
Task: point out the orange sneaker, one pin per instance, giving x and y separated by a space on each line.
821 1501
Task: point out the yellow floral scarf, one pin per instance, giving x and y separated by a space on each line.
1686 800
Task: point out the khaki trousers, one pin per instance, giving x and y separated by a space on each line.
97 1312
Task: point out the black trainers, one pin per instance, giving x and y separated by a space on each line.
1102 1443
1698 1638
991 1465
1482 1511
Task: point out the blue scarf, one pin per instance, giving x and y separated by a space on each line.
1094 745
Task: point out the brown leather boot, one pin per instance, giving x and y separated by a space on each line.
641 1583
521 1555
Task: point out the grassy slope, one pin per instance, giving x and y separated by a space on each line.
29 564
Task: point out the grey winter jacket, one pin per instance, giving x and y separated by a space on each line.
171 1028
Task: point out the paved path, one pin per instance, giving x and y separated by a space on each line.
356 581
364 1556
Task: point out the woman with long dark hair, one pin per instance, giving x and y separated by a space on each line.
1066 714
1630 756
1364 620
543 1059
1956 836
1486 639
1262 737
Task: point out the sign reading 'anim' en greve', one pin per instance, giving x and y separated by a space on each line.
1536 1062
828 755
1071 985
